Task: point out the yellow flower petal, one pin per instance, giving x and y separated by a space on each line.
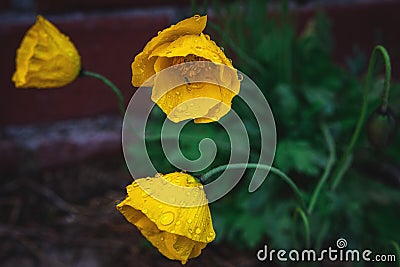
205 100
199 45
46 58
181 227
142 66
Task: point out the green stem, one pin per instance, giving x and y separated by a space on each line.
338 173
113 87
329 165
206 177
386 85
306 225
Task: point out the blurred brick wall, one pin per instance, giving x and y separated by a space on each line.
108 34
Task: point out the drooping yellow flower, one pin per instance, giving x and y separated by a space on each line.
181 43
46 58
171 211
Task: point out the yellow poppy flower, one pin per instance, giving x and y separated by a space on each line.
181 43
46 58
171 211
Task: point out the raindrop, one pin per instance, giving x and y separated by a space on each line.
209 238
172 231
167 218
177 93
189 221
198 231
222 48
135 185
162 238
178 223
240 77
144 211
182 107
196 85
159 32
196 17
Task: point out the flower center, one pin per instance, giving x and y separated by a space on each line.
189 70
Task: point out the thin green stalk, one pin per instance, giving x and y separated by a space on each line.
338 173
306 225
332 158
208 175
113 87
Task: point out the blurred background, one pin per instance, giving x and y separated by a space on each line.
61 164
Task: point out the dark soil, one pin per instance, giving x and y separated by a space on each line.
67 217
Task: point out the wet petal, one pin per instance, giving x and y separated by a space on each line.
178 231
199 45
190 26
162 63
184 102
46 58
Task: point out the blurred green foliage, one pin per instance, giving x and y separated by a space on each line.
305 88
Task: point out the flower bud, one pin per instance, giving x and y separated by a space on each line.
381 127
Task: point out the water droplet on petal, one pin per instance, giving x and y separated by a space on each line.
159 32
167 218
182 108
144 211
240 77
222 48
189 221
209 238
162 238
196 17
178 223
198 230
